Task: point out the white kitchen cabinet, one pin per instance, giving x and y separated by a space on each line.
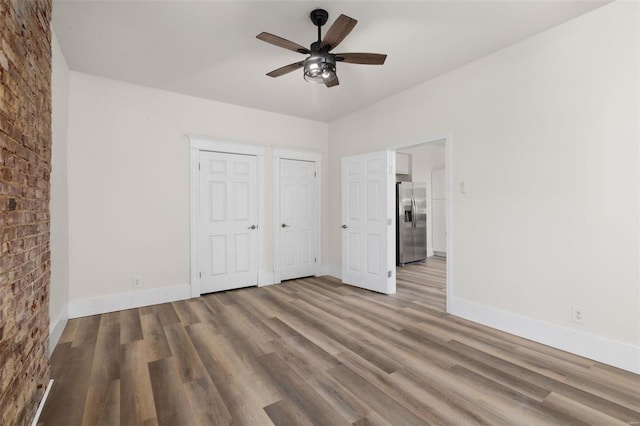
403 163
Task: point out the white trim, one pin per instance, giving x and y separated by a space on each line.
206 144
194 208
294 154
42 402
602 349
265 278
55 331
300 155
391 221
132 299
262 278
449 226
448 140
202 143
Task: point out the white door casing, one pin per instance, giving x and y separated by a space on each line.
368 240
228 239
297 227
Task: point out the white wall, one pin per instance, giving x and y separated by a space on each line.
545 136
59 289
128 165
425 159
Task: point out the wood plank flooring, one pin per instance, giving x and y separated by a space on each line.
312 351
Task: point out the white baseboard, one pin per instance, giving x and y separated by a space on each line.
56 327
602 349
129 300
332 270
42 402
265 278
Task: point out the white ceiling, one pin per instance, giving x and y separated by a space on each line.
208 48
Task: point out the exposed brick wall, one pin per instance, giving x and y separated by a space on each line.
25 163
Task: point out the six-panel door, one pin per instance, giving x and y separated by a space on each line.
366 222
228 241
298 218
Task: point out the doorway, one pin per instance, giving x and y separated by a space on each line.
426 164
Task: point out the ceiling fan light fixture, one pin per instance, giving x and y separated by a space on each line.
320 66
320 69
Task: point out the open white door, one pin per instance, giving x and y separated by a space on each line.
368 241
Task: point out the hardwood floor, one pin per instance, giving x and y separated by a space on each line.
313 351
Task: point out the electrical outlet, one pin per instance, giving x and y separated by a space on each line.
578 315
137 281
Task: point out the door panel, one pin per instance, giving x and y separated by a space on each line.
298 219
366 222
227 245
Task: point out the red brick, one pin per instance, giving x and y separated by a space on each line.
25 163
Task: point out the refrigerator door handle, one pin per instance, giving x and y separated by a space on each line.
413 211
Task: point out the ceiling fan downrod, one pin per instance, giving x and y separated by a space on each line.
319 17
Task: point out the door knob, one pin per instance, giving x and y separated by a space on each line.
344 226
252 227
284 225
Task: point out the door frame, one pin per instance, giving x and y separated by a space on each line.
448 139
300 155
196 145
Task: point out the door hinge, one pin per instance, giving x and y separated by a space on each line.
200 273
315 260
389 274
198 166
314 174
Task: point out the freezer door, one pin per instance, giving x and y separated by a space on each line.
420 221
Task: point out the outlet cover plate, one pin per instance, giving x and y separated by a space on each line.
136 281
578 314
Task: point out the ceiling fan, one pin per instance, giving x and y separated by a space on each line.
320 65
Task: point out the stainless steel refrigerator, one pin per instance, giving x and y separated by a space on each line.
411 223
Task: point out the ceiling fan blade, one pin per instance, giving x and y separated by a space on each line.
362 58
286 69
282 42
338 31
333 82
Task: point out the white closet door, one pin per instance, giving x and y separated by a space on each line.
227 236
298 218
